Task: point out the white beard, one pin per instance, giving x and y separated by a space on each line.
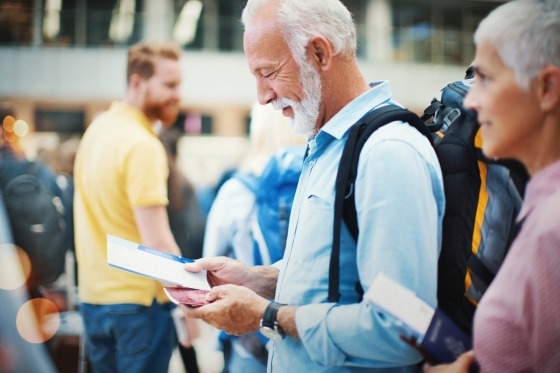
306 112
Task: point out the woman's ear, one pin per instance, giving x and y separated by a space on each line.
549 88
319 52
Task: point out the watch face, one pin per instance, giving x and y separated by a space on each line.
270 333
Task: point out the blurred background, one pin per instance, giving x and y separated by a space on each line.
63 61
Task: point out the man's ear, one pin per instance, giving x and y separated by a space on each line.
319 52
549 88
134 81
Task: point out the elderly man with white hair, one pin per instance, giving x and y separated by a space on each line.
302 55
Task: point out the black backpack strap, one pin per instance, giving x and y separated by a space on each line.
431 110
344 206
480 269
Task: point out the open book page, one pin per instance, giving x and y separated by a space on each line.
149 262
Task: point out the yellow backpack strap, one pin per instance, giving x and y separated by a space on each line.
480 208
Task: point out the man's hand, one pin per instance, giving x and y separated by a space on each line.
235 309
222 270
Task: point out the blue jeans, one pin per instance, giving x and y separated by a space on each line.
129 337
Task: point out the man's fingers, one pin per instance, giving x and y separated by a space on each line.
206 264
219 292
196 312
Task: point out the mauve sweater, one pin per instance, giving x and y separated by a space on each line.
517 324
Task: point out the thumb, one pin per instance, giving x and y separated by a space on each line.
195 266
218 292
466 359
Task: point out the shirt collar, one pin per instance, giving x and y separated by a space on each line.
132 111
379 93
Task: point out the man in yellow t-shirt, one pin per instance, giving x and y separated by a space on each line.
121 189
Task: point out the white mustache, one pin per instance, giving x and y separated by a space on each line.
282 103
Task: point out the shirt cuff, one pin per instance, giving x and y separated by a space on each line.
312 329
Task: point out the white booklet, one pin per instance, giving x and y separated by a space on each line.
157 264
401 304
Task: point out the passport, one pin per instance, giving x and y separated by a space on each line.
427 328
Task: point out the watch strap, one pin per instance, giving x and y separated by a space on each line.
269 317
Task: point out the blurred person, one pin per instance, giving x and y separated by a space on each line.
66 156
186 218
302 54
14 163
516 96
18 330
186 221
227 231
120 177
229 228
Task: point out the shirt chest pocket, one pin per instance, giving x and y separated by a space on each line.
315 220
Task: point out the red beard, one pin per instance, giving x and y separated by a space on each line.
166 112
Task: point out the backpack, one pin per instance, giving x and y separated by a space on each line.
483 198
37 220
274 192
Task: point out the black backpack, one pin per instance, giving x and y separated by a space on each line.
37 220
483 198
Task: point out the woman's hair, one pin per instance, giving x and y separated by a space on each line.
269 131
299 20
526 35
142 57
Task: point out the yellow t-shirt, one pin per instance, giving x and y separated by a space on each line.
120 165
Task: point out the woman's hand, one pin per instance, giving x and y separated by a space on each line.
461 365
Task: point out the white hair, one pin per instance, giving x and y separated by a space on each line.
299 20
526 35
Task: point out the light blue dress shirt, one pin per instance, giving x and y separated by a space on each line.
400 204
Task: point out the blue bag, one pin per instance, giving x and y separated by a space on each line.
274 193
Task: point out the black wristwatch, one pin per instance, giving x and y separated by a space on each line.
269 325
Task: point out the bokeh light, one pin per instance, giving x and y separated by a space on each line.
10 136
38 320
8 123
13 276
21 128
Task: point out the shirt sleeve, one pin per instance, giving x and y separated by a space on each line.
540 300
399 199
146 174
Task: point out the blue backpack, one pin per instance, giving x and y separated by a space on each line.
274 193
